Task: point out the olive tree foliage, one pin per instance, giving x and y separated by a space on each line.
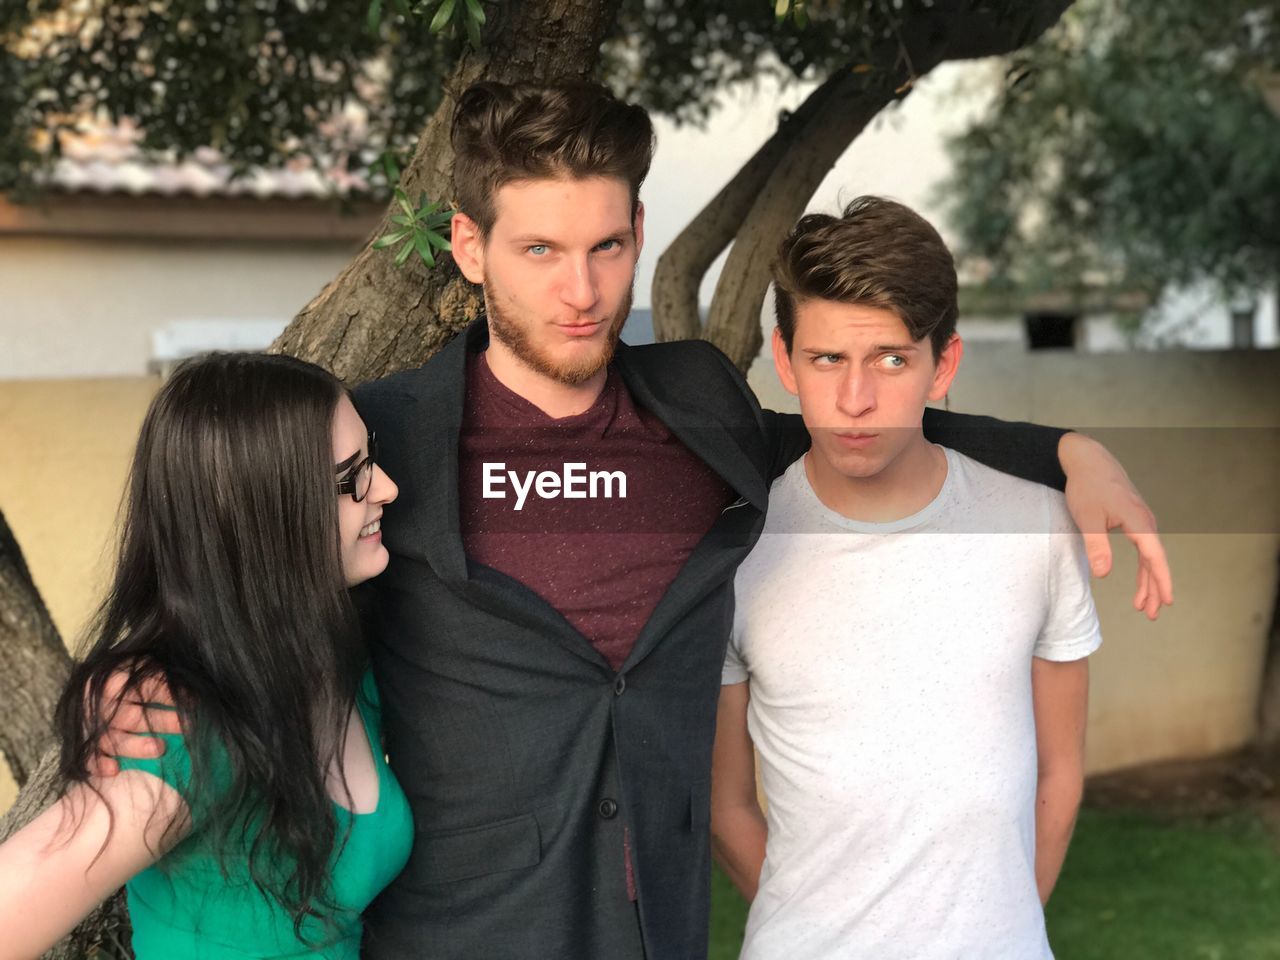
267 81
1135 142
263 82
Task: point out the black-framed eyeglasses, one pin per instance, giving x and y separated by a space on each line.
359 478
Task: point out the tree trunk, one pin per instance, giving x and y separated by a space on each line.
1269 698
35 663
768 194
373 319
682 265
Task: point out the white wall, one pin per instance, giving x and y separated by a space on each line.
82 308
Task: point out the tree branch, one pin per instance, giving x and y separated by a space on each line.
35 663
682 265
770 192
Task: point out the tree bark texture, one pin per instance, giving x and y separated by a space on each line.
35 663
374 318
763 200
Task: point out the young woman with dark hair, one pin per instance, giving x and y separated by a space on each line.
268 824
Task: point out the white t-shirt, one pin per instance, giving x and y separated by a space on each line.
890 671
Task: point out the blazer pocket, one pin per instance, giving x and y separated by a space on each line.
477 851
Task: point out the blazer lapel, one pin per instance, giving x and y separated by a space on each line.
729 540
428 447
431 439
706 437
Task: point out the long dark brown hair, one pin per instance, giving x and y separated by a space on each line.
229 588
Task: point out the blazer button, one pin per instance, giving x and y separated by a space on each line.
607 808
620 685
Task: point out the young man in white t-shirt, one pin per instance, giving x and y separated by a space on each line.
909 647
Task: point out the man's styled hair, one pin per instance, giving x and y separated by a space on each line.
503 133
878 253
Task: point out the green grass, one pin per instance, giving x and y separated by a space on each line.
728 918
1136 887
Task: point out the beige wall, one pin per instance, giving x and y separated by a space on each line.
1200 435
67 445
1181 687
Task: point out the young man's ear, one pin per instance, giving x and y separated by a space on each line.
637 226
468 247
782 363
948 364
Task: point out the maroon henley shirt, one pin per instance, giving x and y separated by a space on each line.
602 562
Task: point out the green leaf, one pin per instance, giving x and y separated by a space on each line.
403 255
424 249
443 15
374 19
781 9
401 219
403 200
437 241
801 16
390 238
476 11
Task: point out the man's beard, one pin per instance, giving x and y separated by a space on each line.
515 337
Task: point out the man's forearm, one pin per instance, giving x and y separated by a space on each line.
1057 803
738 838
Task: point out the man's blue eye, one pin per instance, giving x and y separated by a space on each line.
538 249
608 245
895 361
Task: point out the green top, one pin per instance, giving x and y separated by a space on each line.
184 906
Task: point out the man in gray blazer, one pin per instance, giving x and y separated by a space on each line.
551 628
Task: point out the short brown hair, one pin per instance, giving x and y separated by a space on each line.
507 132
878 253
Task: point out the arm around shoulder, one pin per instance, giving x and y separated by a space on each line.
1025 450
